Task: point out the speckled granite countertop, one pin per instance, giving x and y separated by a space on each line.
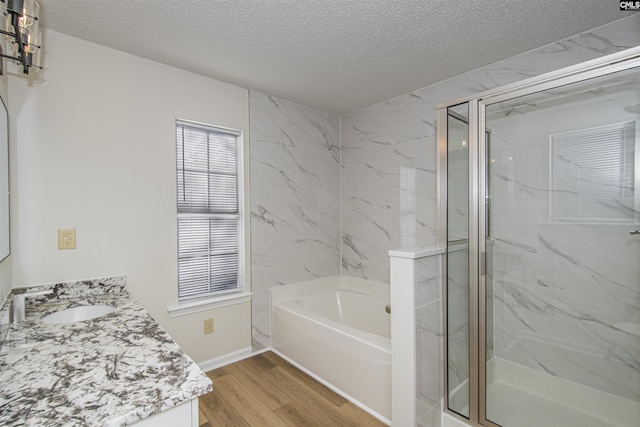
110 371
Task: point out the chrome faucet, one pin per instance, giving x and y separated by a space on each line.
19 302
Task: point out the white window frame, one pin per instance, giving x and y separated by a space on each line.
240 294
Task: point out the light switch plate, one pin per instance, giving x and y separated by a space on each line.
66 238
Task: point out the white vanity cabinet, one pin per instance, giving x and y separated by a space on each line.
184 415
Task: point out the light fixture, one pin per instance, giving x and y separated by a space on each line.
23 32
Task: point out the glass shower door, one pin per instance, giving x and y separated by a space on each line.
562 256
458 364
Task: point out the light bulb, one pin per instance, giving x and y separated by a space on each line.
30 12
27 10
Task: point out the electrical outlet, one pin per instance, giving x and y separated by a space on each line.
208 326
66 238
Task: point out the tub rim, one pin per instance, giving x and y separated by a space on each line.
296 290
293 306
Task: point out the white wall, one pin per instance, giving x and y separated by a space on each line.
93 147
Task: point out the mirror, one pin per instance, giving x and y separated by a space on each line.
4 182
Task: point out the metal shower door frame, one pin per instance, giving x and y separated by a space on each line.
478 146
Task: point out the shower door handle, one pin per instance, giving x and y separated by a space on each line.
634 232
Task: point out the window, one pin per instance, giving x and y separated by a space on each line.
209 217
593 174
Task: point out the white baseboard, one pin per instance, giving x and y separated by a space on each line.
227 359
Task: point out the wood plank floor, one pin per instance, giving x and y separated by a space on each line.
266 390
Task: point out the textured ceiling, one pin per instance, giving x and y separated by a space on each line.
335 55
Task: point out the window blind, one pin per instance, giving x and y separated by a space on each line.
592 174
208 214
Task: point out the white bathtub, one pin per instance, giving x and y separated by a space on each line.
337 329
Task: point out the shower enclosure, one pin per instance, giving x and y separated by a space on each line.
540 188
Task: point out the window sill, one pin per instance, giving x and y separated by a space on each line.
187 308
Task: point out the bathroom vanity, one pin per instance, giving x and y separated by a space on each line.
120 368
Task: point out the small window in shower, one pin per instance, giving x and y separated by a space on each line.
593 174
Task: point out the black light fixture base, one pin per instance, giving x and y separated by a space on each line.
15 8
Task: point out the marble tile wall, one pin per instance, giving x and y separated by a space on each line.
386 155
566 293
295 203
388 183
574 317
388 193
388 167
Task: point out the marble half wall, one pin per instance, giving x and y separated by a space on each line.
388 188
295 203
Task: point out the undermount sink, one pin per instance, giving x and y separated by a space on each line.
79 314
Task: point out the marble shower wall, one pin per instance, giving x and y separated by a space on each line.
388 187
295 203
386 180
388 183
566 293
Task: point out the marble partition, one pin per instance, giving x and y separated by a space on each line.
295 205
388 167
